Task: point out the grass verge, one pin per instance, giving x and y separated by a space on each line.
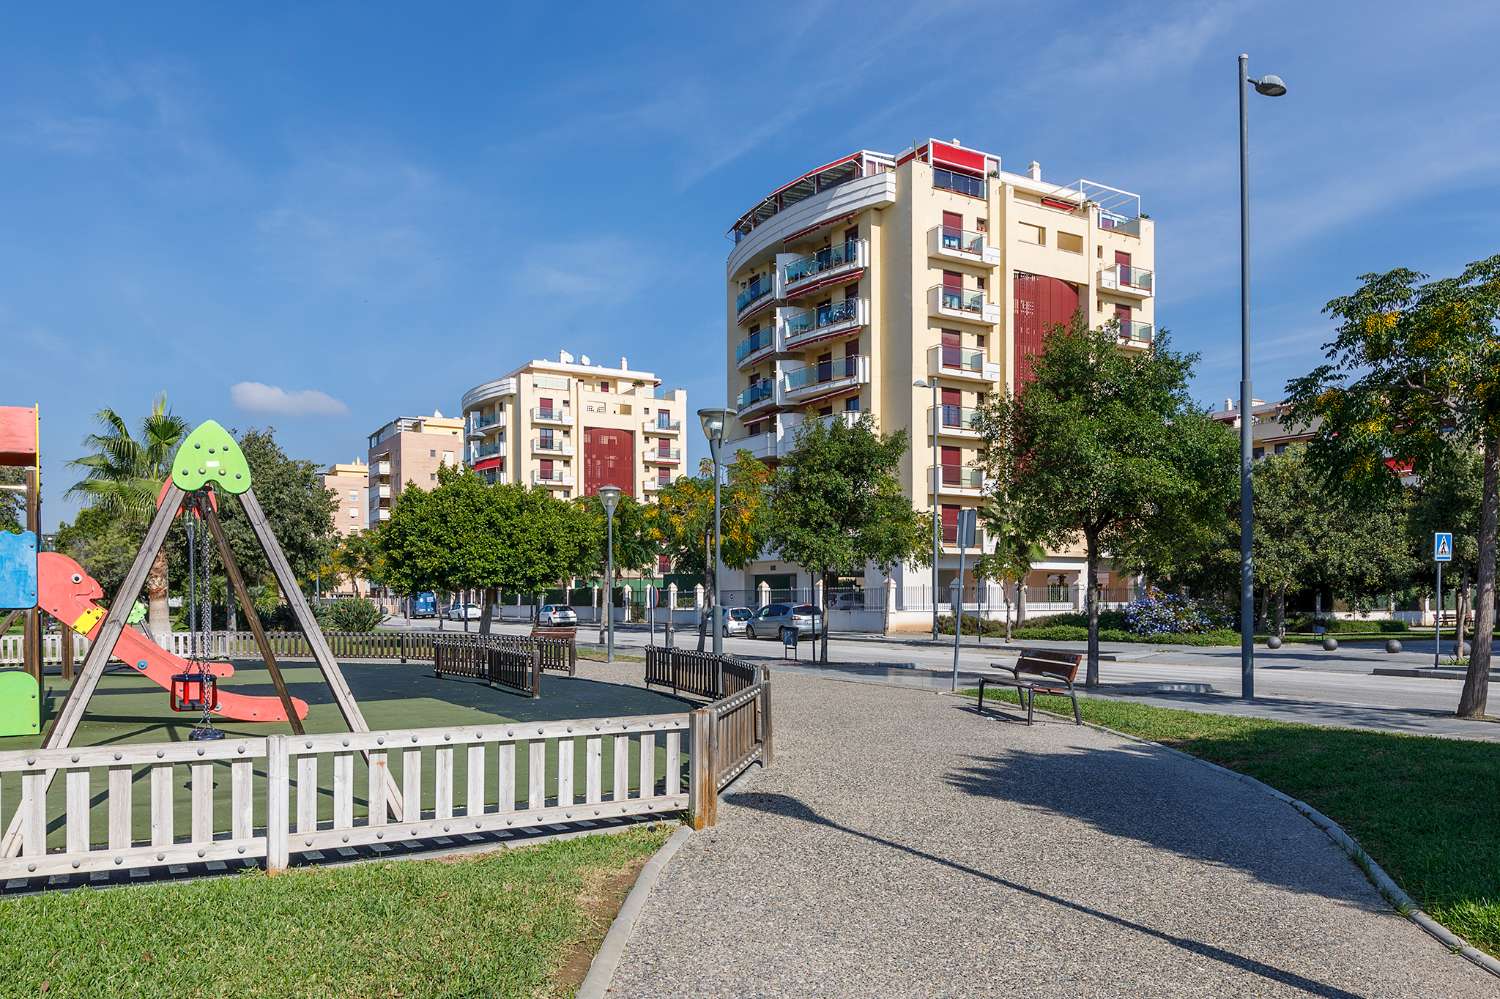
520 922
1425 809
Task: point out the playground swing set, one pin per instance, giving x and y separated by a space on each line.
209 463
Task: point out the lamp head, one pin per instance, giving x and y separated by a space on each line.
610 497
714 421
1269 85
919 383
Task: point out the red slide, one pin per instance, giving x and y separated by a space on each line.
68 593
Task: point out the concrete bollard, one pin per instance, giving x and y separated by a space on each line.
1274 642
1392 645
1330 644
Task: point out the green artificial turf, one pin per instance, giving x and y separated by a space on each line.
513 923
1426 809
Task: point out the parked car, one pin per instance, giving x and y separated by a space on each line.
767 622
556 616
461 612
736 619
424 604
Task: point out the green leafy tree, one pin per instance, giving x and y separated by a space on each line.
1013 554
635 548
1413 372
102 543
12 504
123 473
1106 445
1449 498
837 504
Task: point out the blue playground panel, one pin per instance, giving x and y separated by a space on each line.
17 570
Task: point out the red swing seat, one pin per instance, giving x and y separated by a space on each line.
195 692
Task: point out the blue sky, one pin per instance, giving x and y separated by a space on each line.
371 212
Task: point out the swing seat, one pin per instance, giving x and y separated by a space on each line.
195 692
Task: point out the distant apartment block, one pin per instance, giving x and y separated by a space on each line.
866 275
350 484
1270 430
571 426
410 449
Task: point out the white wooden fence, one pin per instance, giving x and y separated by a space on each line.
454 781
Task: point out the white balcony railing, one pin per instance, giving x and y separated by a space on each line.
553 415
965 363
551 446
664 456
961 244
556 477
384 513
655 485
1127 279
382 468
968 304
824 376
658 425
779 442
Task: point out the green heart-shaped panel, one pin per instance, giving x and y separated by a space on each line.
210 455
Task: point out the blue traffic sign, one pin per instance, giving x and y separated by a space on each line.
1442 546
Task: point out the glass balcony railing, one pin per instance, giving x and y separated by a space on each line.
664 423
823 371
959 182
664 454
957 418
759 288
951 358
961 240
755 393
1135 332
970 301
800 324
826 259
550 415
950 536
757 341
960 477
1129 276
488 450
552 445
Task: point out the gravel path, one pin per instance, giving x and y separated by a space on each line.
904 846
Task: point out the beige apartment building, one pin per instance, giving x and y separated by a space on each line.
571 426
350 484
410 449
862 278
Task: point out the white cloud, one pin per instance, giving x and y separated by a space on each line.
257 397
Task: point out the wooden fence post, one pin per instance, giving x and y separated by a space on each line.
278 791
401 644
536 667
703 789
765 717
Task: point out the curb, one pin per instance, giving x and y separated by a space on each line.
1383 882
596 983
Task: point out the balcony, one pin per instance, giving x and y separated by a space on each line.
655 485
483 451
812 381
780 442
381 468
829 264
963 364
1136 334
757 345
1127 279
950 540
482 423
954 421
757 294
965 304
555 445
761 446
961 244
556 478
657 425
555 415
825 322
380 492
659 456
756 396
384 513
957 480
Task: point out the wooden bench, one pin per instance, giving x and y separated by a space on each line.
1044 671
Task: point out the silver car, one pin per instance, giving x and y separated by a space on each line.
768 621
557 615
736 619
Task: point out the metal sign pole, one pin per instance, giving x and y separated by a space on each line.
1437 622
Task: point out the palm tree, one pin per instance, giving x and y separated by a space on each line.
123 475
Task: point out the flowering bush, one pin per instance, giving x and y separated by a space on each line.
1160 613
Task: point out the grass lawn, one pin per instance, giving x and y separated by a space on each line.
1426 809
522 922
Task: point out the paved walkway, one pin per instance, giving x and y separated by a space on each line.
904 846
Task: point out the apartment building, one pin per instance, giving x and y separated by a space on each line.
1270 430
350 484
913 286
410 449
571 426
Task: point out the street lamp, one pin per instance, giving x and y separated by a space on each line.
714 421
1269 86
936 537
610 497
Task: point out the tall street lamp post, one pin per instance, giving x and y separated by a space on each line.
1269 86
933 475
714 421
610 497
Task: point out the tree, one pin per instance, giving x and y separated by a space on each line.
1106 445
1014 551
102 543
635 549
1449 498
12 504
122 476
1412 373
837 503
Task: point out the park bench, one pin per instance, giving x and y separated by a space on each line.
1044 671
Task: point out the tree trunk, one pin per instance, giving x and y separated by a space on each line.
488 610
232 614
160 616
1006 594
823 617
1463 615
1281 613
1021 601
1471 703
1092 596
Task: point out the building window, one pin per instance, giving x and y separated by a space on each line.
604 386
431 453
1029 233
1259 453
851 404
1070 242
353 514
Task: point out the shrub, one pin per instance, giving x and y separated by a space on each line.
1339 626
352 614
1158 614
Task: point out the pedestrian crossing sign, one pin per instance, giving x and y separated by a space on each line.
1442 546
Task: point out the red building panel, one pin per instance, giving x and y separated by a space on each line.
608 460
1042 303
